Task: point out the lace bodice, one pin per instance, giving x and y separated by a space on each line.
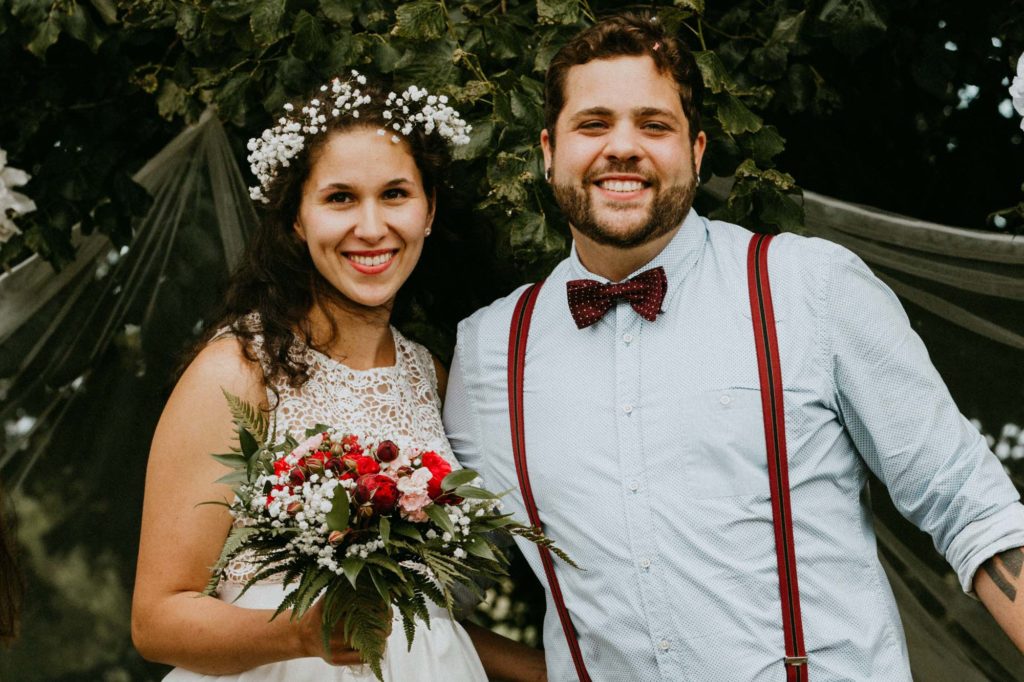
399 402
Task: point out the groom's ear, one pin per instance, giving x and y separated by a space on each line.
547 146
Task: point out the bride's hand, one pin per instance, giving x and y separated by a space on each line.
339 651
311 632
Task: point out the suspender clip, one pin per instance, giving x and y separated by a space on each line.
795 661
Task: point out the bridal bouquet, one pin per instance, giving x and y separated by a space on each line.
361 522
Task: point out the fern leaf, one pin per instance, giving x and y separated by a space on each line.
248 417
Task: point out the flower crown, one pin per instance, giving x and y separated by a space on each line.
277 146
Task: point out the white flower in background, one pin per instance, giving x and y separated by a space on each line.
1017 90
12 203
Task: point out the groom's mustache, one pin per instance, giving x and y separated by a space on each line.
630 167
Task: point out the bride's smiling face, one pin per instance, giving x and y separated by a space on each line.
363 215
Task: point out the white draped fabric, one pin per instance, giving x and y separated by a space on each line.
54 326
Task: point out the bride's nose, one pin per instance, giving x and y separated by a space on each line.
371 225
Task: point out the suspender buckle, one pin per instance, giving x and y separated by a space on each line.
795 661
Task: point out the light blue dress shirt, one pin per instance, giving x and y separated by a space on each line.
647 458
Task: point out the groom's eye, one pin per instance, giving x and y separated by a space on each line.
593 125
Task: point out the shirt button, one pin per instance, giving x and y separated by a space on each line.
634 486
664 645
628 338
627 408
725 400
645 563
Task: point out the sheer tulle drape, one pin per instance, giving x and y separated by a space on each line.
59 385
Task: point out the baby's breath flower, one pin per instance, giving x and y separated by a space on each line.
276 146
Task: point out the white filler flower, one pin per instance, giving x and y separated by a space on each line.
1017 90
12 203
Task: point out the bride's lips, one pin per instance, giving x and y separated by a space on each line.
371 262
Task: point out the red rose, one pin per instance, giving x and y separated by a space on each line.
366 465
281 467
387 451
380 491
439 467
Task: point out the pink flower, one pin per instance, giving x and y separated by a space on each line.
303 448
412 505
416 483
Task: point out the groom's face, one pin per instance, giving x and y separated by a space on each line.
623 168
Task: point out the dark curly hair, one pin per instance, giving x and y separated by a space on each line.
626 35
277 279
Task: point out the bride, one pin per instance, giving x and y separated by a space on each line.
349 182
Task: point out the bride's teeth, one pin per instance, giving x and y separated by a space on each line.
622 185
371 260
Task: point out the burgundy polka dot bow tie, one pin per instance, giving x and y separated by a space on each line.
590 300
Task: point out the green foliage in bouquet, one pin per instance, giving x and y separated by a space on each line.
361 525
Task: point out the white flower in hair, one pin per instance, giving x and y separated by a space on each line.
276 147
1017 89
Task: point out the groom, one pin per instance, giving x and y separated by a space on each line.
642 418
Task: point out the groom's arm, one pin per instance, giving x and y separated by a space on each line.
1000 587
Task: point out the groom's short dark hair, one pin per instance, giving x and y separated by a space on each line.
626 35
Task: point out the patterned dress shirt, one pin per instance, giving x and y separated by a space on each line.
646 449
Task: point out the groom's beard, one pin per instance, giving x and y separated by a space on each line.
667 210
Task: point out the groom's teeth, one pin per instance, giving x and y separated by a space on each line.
371 260
622 185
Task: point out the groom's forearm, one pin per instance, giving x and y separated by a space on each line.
1000 586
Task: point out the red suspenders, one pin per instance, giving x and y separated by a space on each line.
516 364
769 371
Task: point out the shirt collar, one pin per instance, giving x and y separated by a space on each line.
678 257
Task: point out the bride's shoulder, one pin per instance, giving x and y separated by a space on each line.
223 364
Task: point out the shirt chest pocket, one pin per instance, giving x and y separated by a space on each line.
724 449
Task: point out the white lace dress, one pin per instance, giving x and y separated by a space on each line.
401 401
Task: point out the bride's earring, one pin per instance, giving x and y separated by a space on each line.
426 232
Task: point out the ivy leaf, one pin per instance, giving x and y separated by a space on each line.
735 117
420 20
780 209
338 11
479 142
712 70
107 11
45 36
230 99
79 26
693 5
769 62
787 30
310 41
171 100
265 22
853 25
763 145
385 56
558 11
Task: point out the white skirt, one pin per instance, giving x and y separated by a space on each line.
442 652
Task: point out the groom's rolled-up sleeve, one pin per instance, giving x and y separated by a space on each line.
937 467
461 420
